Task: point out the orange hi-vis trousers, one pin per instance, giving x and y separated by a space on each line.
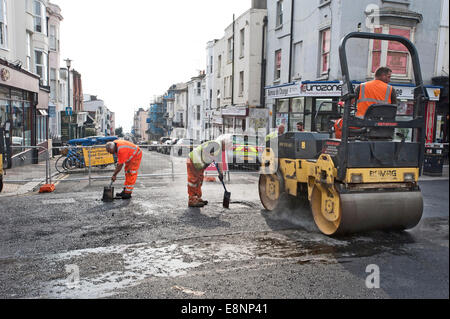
131 173
195 182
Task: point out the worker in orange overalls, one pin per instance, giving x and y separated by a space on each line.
129 155
377 91
199 159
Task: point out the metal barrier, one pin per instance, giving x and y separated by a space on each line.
166 161
28 170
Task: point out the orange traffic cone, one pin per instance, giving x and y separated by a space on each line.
47 188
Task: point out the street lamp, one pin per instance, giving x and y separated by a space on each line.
68 64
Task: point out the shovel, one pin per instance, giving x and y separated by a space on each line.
227 194
108 193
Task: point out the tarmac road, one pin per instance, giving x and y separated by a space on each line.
70 244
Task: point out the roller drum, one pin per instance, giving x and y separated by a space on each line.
380 211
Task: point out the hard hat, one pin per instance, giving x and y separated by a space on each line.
211 152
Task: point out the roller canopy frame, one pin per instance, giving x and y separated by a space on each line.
348 93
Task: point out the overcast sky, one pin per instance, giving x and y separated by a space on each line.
129 51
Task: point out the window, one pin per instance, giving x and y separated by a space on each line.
389 53
325 51
3 25
53 37
297 69
28 51
40 59
241 83
40 19
242 38
53 84
230 50
219 65
198 112
277 65
199 90
211 64
279 13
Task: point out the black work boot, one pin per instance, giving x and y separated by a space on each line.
123 195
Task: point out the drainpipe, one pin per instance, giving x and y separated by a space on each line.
232 66
291 42
263 65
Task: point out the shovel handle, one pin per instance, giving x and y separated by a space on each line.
218 170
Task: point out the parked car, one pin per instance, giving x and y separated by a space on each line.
242 151
184 146
153 145
160 147
168 145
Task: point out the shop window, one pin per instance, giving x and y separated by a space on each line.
283 106
390 53
3 25
298 105
277 74
325 36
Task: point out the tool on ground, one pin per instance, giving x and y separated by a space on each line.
365 180
108 193
227 194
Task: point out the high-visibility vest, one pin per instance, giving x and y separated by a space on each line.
126 151
373 92
196 155
272 135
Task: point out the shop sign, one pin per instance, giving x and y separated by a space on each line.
334 89
283 91
5 74
235 111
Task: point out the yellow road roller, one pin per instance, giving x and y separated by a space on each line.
365 181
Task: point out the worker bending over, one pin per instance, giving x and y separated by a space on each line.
199 159
377 91
129 155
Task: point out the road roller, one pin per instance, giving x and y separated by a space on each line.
366 180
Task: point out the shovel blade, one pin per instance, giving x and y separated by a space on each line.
226 200
108 194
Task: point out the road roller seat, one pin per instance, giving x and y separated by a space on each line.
379 113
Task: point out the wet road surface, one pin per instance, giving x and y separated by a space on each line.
70 244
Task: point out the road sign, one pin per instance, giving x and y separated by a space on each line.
69 111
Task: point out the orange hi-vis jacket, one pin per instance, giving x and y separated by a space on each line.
130 155
126 151
373 92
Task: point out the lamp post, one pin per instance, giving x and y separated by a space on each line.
68 64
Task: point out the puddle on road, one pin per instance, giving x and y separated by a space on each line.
132 264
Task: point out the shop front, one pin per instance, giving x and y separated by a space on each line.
234 120
315 103
24 122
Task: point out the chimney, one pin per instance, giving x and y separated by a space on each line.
259 4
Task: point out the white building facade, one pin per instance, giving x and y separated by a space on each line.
303 67
237 65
